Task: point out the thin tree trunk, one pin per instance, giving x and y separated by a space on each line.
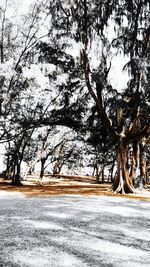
3 33
96 172
16 179
135 162
30 168
17 176
103 173
143 163
43 160
112 170
7 174
57 167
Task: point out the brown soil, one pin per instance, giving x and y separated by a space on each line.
71 186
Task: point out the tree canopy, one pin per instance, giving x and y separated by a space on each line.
57 69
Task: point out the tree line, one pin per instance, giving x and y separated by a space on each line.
55 71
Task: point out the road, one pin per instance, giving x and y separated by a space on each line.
73 231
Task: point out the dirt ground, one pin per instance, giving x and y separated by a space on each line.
53 186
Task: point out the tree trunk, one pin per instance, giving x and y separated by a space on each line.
17 176
57 167
97 174
8 169
123 183
143 163
103 173
2 52
43 160
16 172
30 168
111 171
135 162
42 168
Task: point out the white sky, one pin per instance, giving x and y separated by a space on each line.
23 5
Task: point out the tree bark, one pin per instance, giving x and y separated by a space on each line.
16 178
123 183
97 174
57 167
143 163
103 172
43 160
111 171
135 162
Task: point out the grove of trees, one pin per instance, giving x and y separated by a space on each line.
56 78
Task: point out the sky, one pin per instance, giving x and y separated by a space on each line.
117 77
23 5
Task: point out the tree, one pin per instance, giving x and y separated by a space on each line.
19 108
75 59
87 22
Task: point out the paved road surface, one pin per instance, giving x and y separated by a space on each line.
73 231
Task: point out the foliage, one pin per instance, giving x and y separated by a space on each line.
62 77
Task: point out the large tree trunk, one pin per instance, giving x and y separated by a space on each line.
123 183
